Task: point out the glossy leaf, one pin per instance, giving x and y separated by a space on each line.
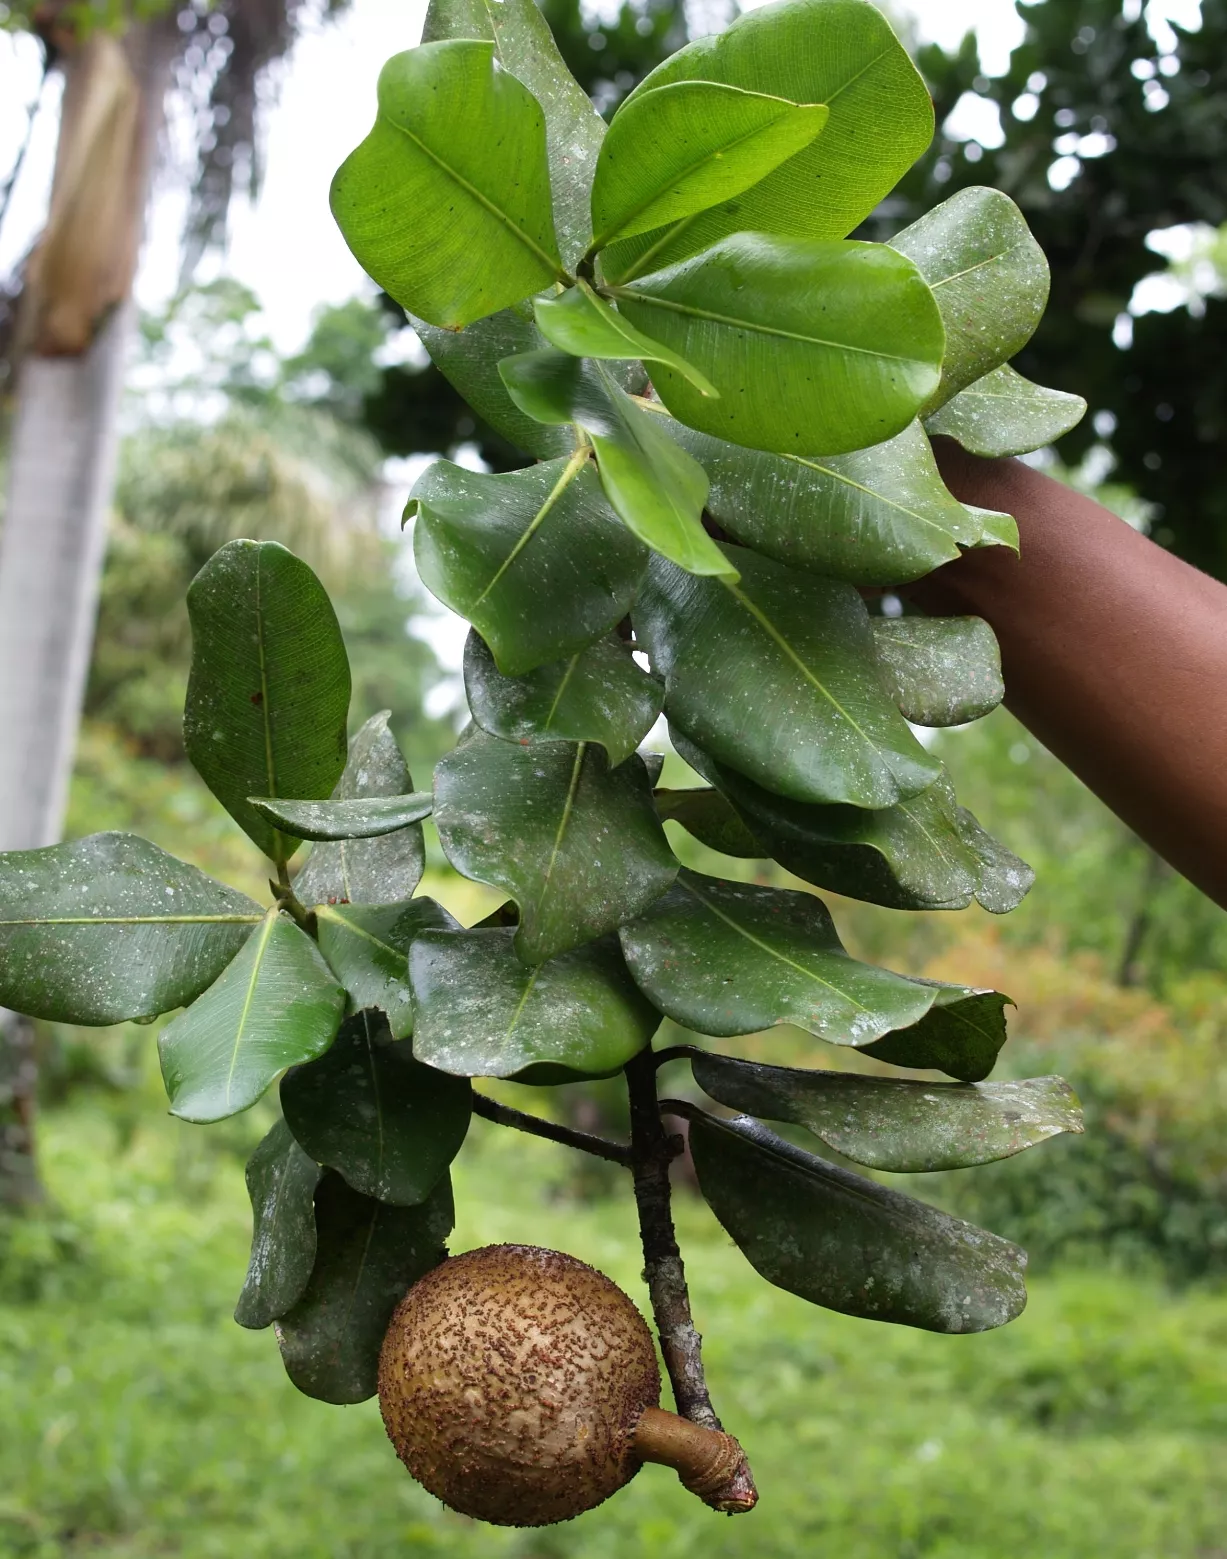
276 1004
688 146
536 559
816 348
481 1012
281 1181
924 853
838 52
598 694
111 928
711 819
366 945
268 694
940 670
1005 414
387 1124
891 1123
990 279
996 529
582 324
369 1255
657 490
384 870
446 203
728 958
576 844
961 1034
847 1243
369 819
777 677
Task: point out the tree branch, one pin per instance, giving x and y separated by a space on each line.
504 1115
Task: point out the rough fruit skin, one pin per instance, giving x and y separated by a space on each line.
511 1380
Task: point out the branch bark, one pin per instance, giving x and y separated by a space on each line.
503 1115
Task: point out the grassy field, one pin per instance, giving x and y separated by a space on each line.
136 1420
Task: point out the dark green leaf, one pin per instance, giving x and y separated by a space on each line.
576 844
990 279
369 819
268 694
815 348
582 324
281 1181
389 1125
838 52
940 670
536 560
596 695
482 1013
367 871
890 1123
276 1004
366 946
961 1035
369 1255
657 489
111 928
446 204
1005 414
777 677
711 819
847 1243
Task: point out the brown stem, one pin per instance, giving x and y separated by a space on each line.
504 1115
680 1343
709 1462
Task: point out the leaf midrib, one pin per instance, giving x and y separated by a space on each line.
565 477
270 920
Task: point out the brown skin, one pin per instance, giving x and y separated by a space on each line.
1114 653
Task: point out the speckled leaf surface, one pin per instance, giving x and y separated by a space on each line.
1005 414
481 1012
839 52
576 844
268 693
990 279
961 1034
940 670
896 1124
369 1255
815 348
777 677
711 819
727 958
366 947
389 1125
383 870
281 1182
536 560
580 322
847 1243
110 928
598 695
345 819
276 1004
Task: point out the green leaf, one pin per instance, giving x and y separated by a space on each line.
839 52
940 670
369 1255
536 560
888 1123
369 819
960 1035
847 1243
111 928
483 1013
996 529
777 677
385 870
598 694
990 279
657 490
281 1181
576 844
446 204
268 694
925 853
688 146
728 958
366 946
816 348
1005 414
387 1124
582 324
276 1004
711 819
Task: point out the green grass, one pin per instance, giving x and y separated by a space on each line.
137 1420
